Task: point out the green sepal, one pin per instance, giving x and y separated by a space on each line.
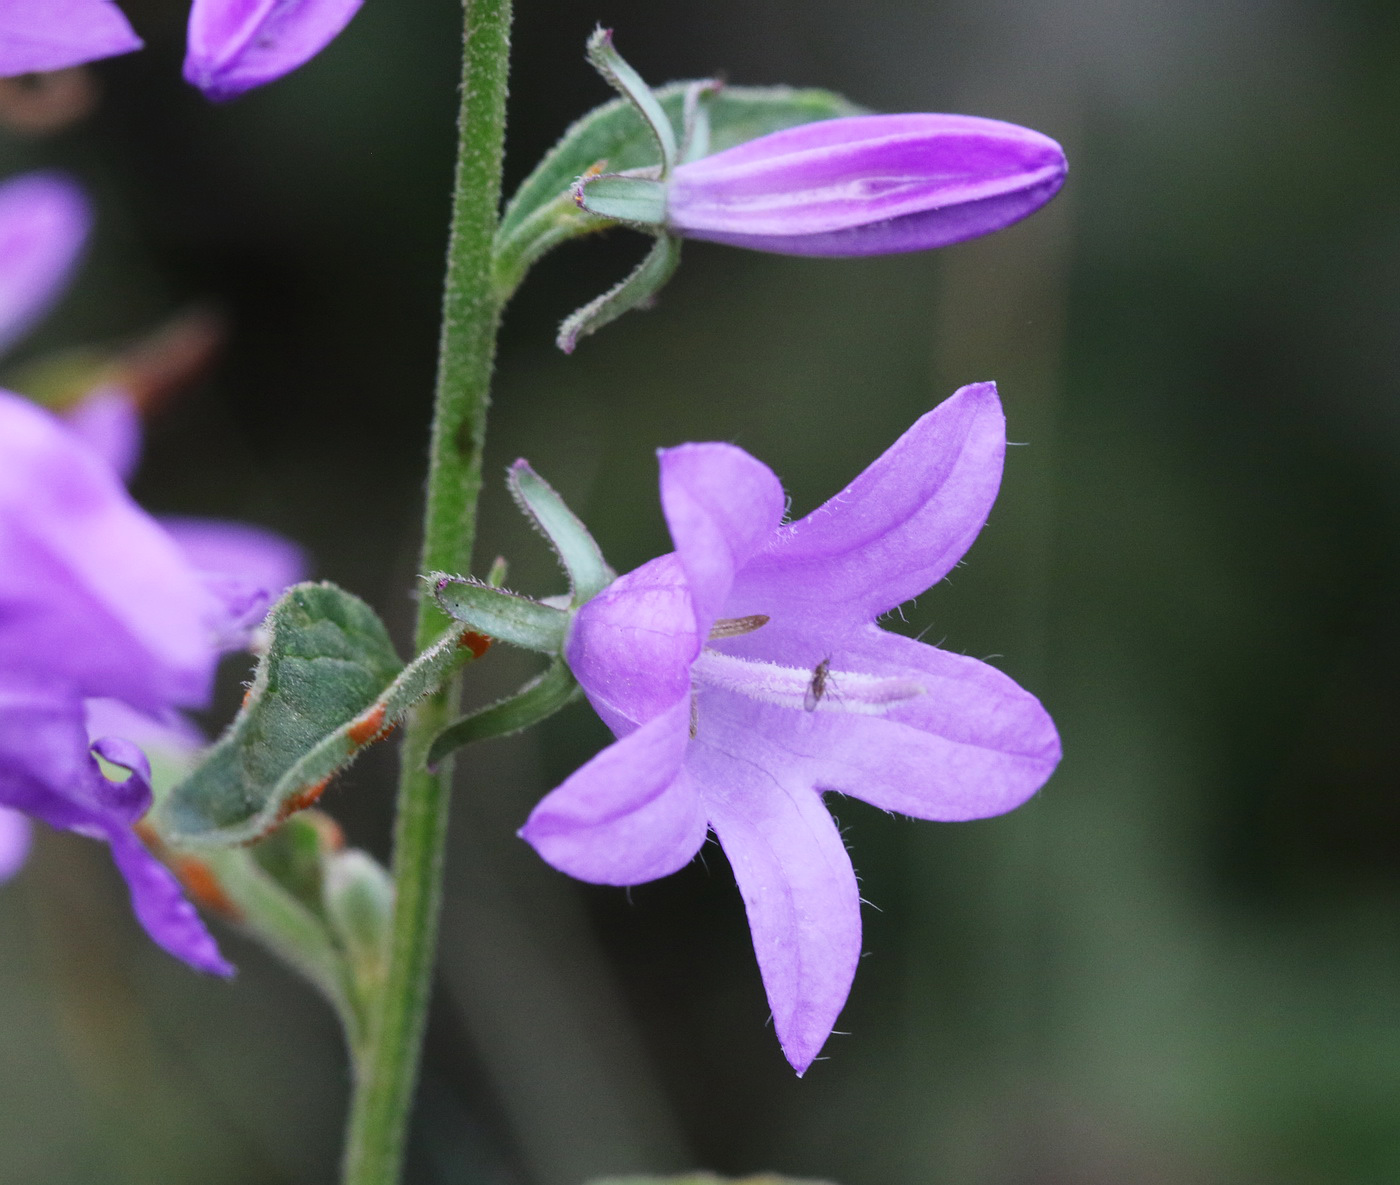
536 701
579 555
638 201
328 684
603 57
543 213
499 614
638 290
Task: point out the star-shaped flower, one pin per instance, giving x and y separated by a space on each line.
745 676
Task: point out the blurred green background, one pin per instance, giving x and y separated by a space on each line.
1179 963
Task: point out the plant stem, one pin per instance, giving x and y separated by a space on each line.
387 1073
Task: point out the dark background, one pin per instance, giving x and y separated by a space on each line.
1179 963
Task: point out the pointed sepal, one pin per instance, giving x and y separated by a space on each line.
499 614
538 700
604 58
578 553
638 290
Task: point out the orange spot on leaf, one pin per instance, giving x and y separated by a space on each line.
302 799
478 644
366 727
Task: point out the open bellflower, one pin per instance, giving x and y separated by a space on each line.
105 615
745 676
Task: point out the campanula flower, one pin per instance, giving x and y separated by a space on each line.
44 223
39 35
106 619
745 676
233 45
860 185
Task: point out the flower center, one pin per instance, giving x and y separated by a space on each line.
818 689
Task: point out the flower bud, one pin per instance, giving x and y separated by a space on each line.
861 185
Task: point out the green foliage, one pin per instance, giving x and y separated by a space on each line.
543 214
328 684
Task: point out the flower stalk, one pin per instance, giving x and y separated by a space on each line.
386 1074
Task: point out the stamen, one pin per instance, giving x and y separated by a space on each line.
822 689
736 627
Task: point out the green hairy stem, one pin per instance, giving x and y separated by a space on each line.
386 1073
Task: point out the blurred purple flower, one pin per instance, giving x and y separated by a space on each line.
867 185
14 842
44 222
233 46
100 603
236 45
744 676
39 35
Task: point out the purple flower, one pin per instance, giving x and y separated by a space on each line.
44 222
236 45
867 185
100 603
38 35
745 676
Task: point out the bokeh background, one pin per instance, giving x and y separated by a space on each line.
1179 963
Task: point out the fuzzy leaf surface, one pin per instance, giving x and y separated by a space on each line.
329 684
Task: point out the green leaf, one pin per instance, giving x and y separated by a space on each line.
543 214
328 684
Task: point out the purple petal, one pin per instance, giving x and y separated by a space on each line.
108 423
630 815
973 745
893 532
236 45
160 906
631 646
797 883
245 569
46 769
721 506
15 836
867 185
129 799
93 592
38 35
44 222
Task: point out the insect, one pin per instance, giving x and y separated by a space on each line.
817 687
